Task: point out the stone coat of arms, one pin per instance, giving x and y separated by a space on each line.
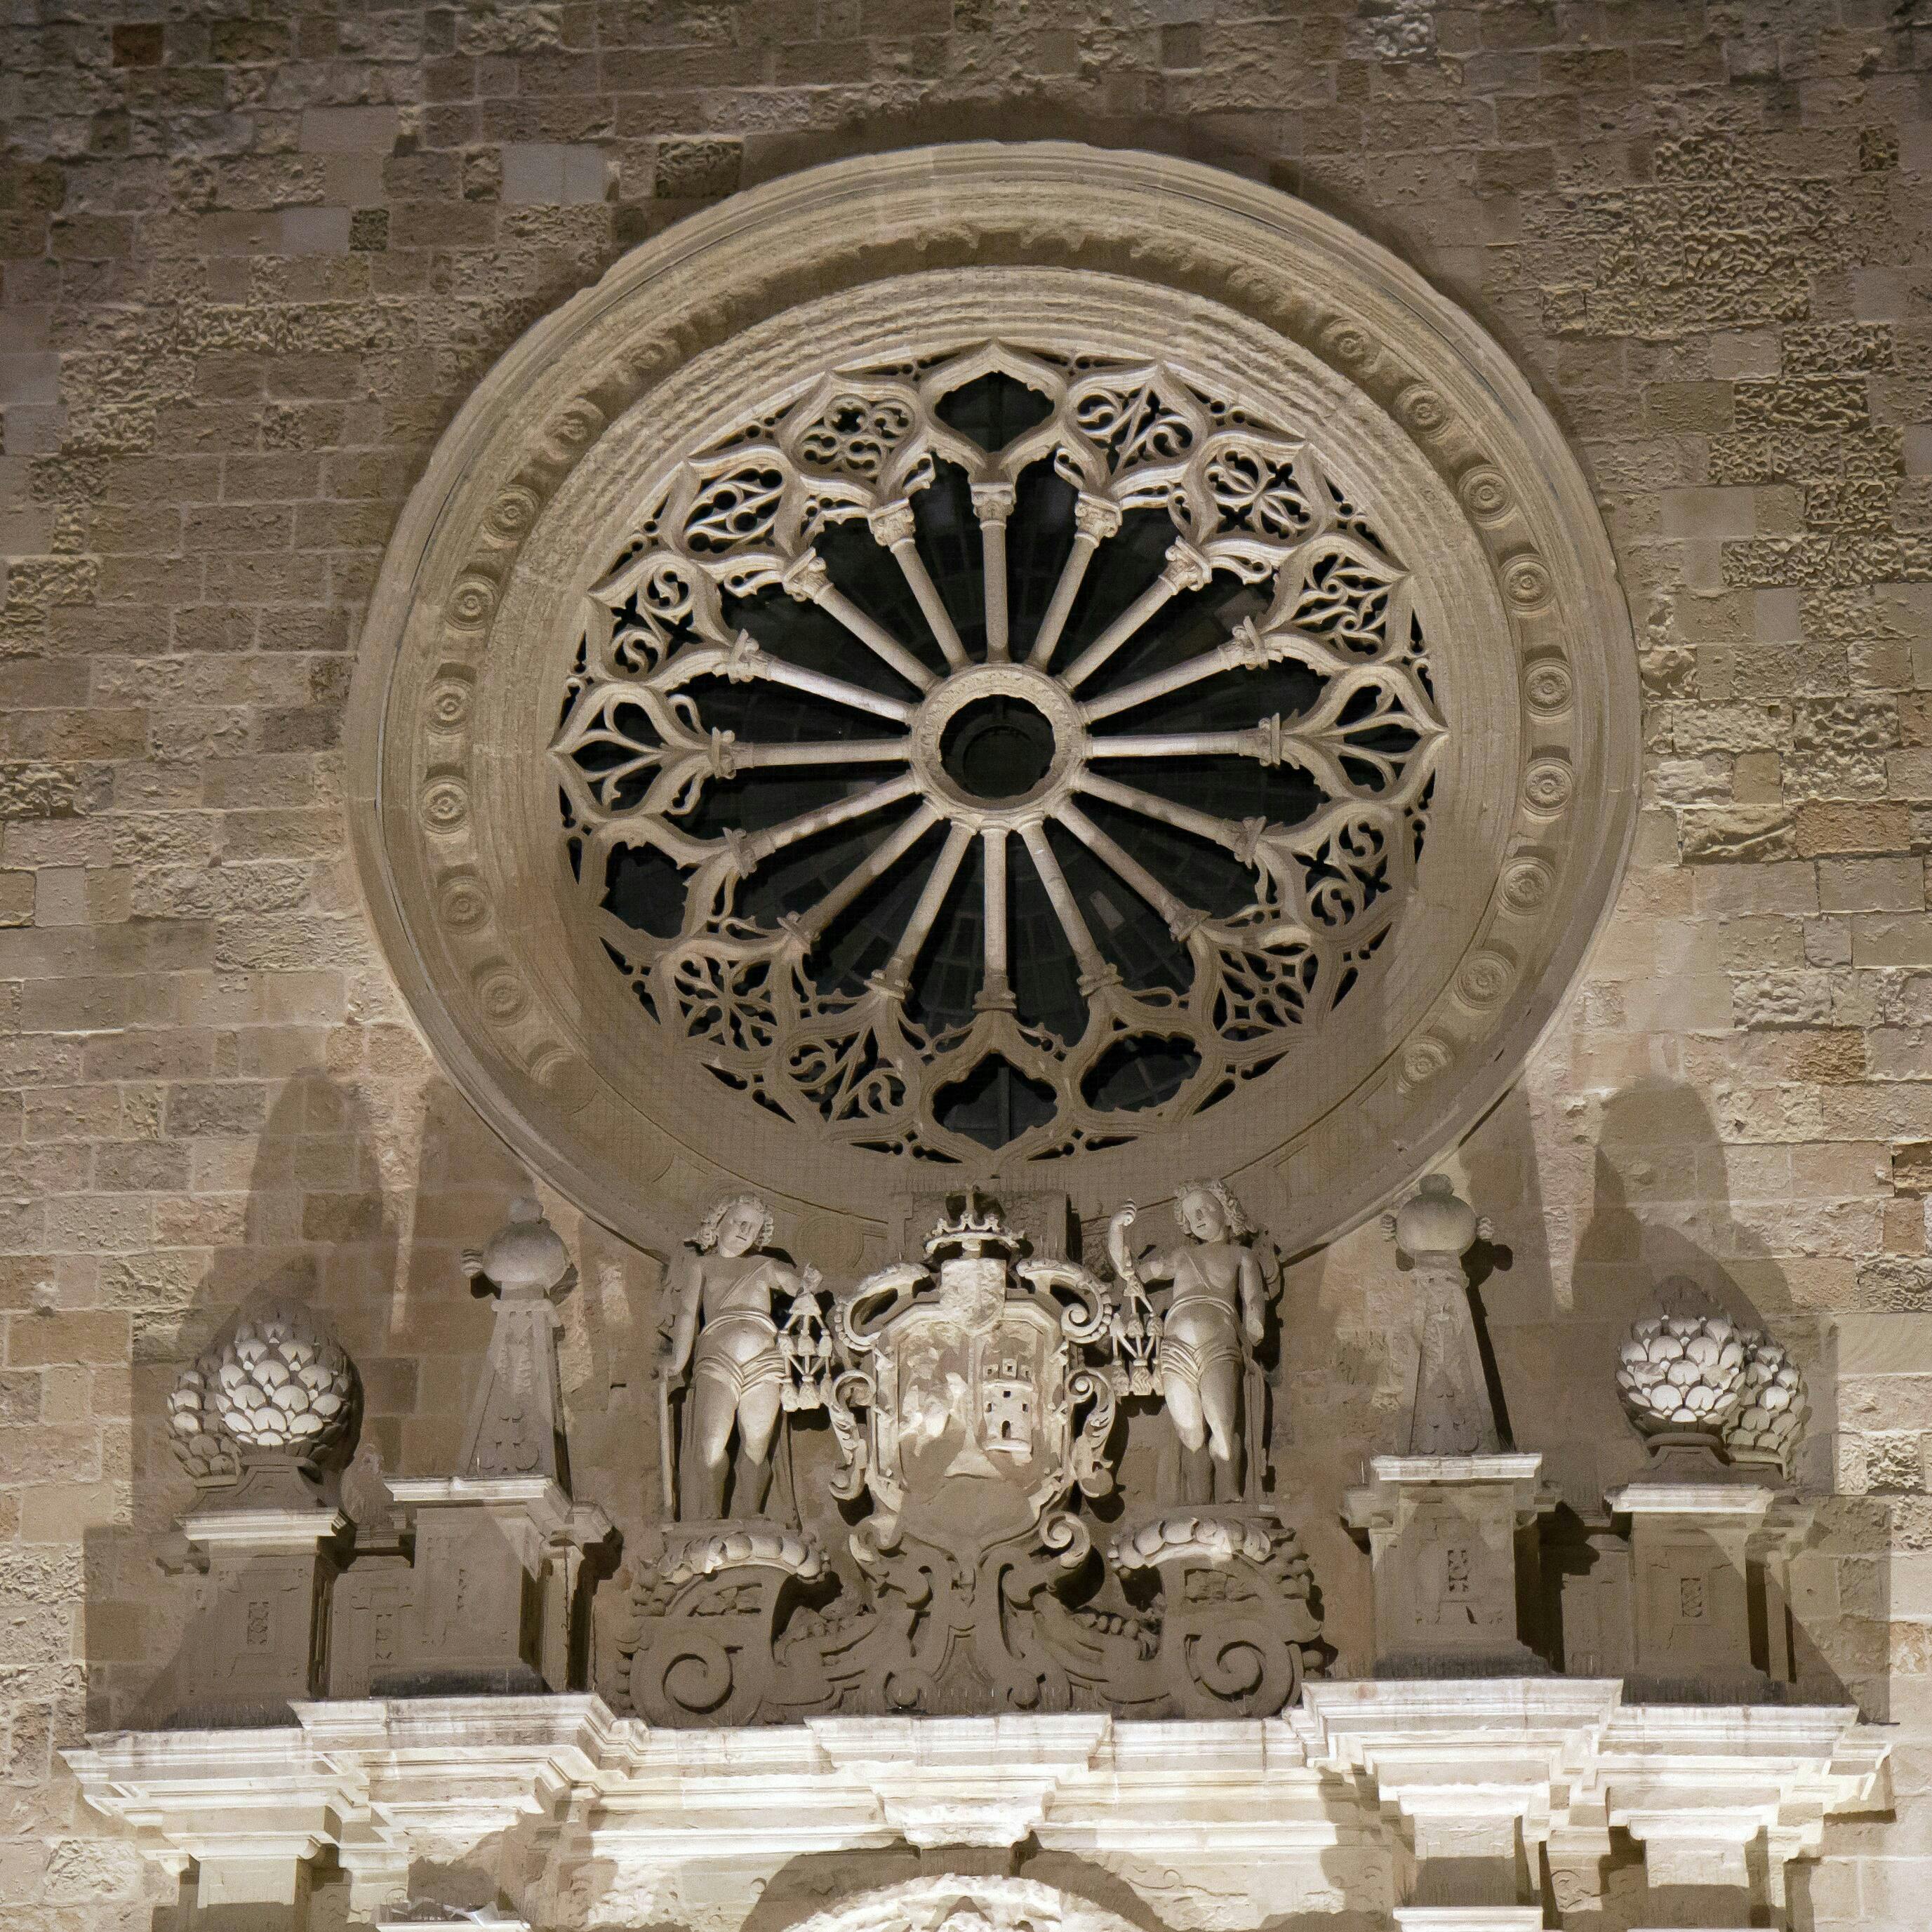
975 1398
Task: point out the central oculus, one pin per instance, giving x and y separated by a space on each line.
997 748
997 744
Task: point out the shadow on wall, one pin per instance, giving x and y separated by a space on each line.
363 1215
1672 1205
314 1226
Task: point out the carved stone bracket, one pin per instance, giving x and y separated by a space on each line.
699 1641
1237 1630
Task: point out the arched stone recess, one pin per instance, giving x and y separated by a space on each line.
963 1902
951 480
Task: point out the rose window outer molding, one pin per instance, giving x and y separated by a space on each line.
994 661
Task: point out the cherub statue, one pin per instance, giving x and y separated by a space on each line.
1216 1315
723 1291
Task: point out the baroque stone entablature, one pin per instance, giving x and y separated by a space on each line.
1482 526
1486 1775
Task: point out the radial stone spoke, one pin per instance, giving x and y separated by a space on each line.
808 580
1179 915
1248 649
760 664
1183 818
1093 968
737 757
876 864
761 845
897 972
1094 519
1262 742
997 993
893 527
993 504
1186 569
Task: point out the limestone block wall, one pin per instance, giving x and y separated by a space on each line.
252 258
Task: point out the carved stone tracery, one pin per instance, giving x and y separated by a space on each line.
1250 928
1357 451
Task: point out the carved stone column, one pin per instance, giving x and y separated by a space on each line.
1450 1413
1452 1526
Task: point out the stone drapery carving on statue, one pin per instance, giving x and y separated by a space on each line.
739 1369
1196 1350
972 1397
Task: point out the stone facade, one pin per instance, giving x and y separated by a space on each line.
252 261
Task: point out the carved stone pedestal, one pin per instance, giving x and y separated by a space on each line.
492 1603
1706 1563
260 1642
1452 1541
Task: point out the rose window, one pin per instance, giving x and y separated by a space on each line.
1010 749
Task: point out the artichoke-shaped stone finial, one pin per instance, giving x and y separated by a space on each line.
278 1387
1767 1424
1680 1371
204 1449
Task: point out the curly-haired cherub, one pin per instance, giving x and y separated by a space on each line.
1218 1304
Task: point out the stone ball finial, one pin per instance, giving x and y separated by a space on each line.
525 1255
1767 1424
1435 1220
1680 1371
279 1385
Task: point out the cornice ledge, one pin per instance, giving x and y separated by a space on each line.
1726 1772
242 1794
407 1771
966 1781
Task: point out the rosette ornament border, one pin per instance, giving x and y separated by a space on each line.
1375 407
